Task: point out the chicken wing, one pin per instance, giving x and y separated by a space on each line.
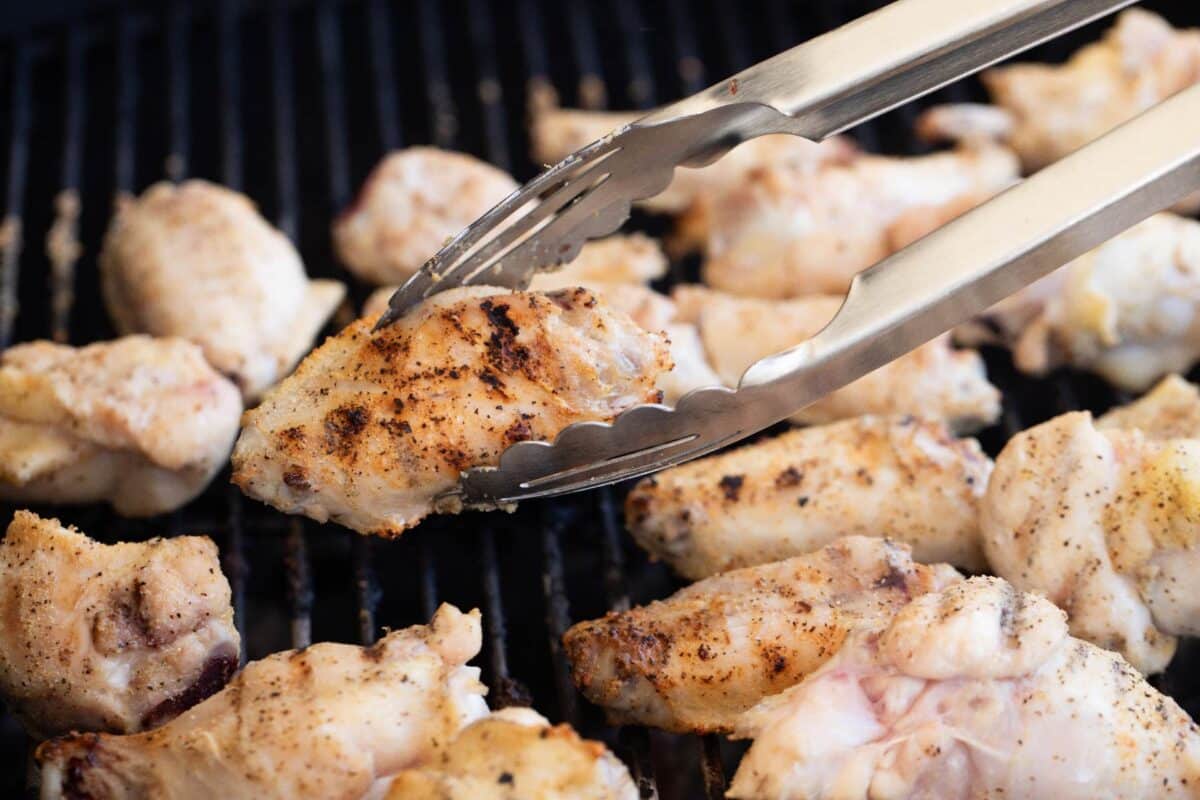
556 133
102 422
374 426
326 722
1046 111
695 661
778 234
976 692
1128 310
116 638
899 477
516 754
197 261
1171 410
934 381
1103 521
412 202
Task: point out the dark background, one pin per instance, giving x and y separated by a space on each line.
293 102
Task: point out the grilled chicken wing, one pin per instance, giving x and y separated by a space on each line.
899 477
1046 111
1171 410
516 754
556 133
197 261
372 427
934 381
412 202
114 638
778 234
326 722
1128 310
973 692
1103 521
102 422
695 661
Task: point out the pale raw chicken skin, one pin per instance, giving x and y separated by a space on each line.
694 662
102 423
780 234
557 132
934 381
326 721
374 426
1102 520
515 754
905 478
1054 109
196 260
973 692
116 638
1128 310
412 203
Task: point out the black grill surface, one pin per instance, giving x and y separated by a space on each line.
293 102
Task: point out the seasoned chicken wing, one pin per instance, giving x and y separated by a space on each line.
326 722
973 692
412 202
374 426
116 638
695 661
1171 410
899 477
1128 310
1053 110
197 261
515 754
102 423
934 381
557 132
778 234
1103 521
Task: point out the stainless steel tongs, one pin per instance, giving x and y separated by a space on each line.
815 90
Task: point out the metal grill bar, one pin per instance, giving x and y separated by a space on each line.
539 89
382 66
127 98
235 567
366 589
444 122
781 26
504 690
488 88
592 89
641 88
179 79
14 193
558 608
299 584
329 51
62 241
231 94
688 64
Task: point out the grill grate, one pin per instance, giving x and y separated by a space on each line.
104 104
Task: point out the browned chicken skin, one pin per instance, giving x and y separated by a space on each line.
115 638
515 754
696 660
323 722
372 427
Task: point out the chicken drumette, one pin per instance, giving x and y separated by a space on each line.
102 423
695 661
875 476
973 692
374 426
115 638
196 260
326 721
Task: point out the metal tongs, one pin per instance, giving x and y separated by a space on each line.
820 88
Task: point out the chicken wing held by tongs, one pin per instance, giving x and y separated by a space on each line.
817 90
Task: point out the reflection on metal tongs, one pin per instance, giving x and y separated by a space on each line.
816 90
